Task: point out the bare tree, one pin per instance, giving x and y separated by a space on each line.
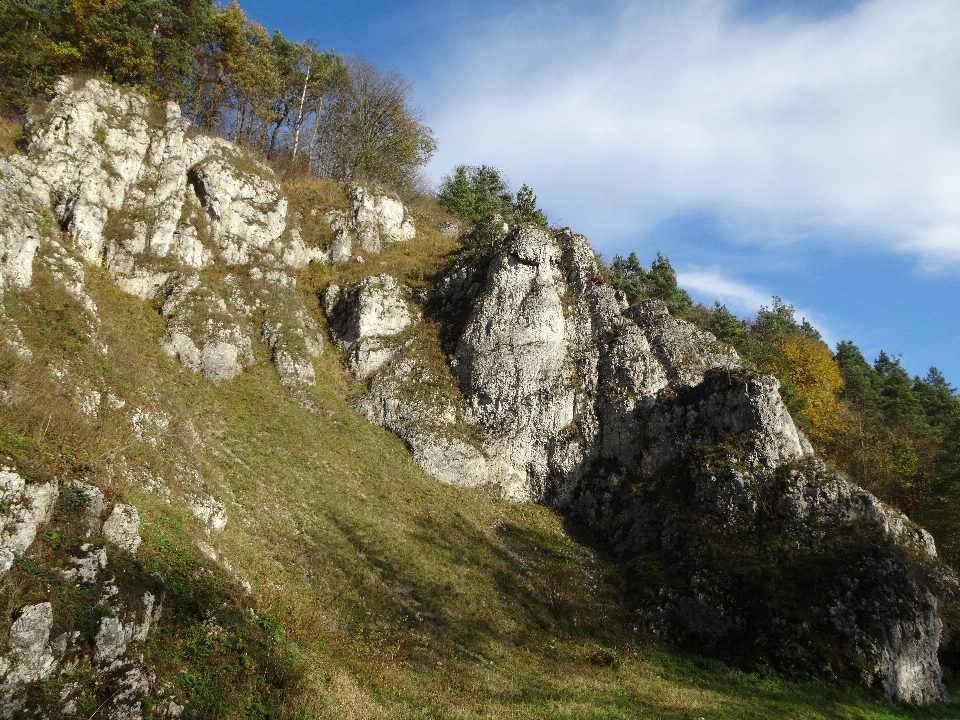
369 133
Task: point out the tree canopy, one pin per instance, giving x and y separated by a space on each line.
639 283
369 133
290 101
481 195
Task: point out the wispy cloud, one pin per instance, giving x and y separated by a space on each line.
709 285
743 299
782 126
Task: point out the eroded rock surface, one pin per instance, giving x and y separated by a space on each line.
33 658
155 205
365 318
26 506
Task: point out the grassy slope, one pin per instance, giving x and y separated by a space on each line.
405 598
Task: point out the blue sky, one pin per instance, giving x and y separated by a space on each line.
808 149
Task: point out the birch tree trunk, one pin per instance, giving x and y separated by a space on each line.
303 99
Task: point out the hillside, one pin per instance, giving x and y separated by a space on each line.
200 523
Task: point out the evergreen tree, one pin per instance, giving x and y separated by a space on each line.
525 208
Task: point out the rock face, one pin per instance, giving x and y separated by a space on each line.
653 433
374 222
156 205
365 318
27 506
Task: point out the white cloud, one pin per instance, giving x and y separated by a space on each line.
781 127
743 299
709 285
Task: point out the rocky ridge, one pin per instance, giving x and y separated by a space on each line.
653 433
156 205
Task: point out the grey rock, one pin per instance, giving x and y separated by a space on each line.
101 151
30 656
907 666
405 399
94 505
723 405
23 224
86 566
374 221
513 361
344 236
210 511
201 332
111 640
136 194
123 527
450 229
379 219
365 318
27 507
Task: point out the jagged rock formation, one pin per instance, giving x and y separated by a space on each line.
28 506
653 433
366 318
156 205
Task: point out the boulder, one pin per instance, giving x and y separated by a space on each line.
123 527
379 219
374 221
26 506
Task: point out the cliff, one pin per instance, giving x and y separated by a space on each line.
651 432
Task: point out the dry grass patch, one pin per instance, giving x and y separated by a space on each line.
418 262
309 200
10 134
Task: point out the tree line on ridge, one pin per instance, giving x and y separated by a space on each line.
291 101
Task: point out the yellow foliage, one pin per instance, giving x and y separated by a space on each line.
811 368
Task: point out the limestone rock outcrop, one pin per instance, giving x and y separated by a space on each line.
653 433
365 318
374 221
156 205
32 654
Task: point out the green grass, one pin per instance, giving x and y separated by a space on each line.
376 591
